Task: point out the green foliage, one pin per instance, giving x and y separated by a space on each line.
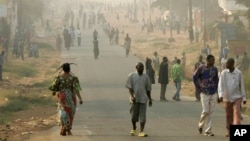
31 10
43 84
160 44
21 70
19 103
45 46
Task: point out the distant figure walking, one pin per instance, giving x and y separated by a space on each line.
163 78
58 42
176 73
127 44
156 63
95 34
96 48
150 71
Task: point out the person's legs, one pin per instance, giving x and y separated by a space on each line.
237 112
142 115
134 117
178 89
211 109
163 91
205 110
229 115
197 95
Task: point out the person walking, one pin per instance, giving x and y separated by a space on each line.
95 34
96 48
1 65
79 36
197 92
66 87
231 90
183 63
245 63
58 42
139 87
127 44
176 73
163 78
149 70
156 63
223 62
206 81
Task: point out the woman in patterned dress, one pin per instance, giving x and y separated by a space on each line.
66 87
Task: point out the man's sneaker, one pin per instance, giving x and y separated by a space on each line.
133 132
142 134
199 130
209 134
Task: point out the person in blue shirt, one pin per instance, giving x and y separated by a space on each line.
206 80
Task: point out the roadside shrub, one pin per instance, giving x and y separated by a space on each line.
45 46
21 70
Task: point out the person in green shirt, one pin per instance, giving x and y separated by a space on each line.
176 74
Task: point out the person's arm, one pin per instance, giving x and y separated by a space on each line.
242 89
149 97
79 97
131 92
220 88
195 77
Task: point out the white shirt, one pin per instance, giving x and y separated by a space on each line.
223 63
231 85
78 33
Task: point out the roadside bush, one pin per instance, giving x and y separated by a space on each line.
21 70
19 103
45 46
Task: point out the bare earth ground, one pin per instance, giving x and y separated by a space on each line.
143 45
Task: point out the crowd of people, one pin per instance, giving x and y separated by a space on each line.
211 85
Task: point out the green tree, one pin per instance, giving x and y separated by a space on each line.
29 10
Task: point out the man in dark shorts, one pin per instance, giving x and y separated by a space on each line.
140 93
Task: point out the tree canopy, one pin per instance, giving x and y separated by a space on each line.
31 10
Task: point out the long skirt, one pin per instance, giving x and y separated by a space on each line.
67 108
